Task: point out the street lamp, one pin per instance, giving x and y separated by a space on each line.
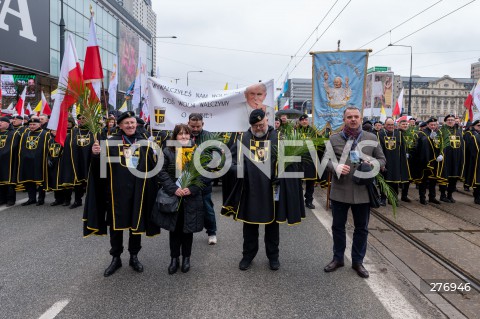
303 104
160 37
192 72
410 81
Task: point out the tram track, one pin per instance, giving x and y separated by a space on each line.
448 264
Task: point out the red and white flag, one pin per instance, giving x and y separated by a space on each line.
29 110
45 107
469 103
92 68
286 106
69 79
399 105
21 102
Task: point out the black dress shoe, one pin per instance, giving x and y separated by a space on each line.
361 271
423 201
135 263
40 202
173 266
476 201
56 203
185 264
114 266
310 205
9 204
467 189
29 202
244 264
3 203
405 199
450 198
333 265
444 199
274 264
383 202
66 203
75 205
434 201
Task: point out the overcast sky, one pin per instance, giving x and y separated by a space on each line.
278 28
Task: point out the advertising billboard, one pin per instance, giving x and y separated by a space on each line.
128 55
25 34
379 92
13 84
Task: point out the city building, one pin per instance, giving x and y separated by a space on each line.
36 34
298 95
475 70
433 96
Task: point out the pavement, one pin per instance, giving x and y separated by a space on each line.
47 270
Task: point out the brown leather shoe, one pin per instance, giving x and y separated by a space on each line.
333 265
361 271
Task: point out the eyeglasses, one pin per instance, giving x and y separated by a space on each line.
258 126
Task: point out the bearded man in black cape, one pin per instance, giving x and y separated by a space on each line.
122 200
253 200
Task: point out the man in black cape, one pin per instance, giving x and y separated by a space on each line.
122 200
453 159
253 200
81 148
9 139
472 144
396 171
428 158
32 162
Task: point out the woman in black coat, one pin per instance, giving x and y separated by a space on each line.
190 215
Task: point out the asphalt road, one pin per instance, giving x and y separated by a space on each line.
46 267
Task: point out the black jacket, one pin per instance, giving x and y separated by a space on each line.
191 206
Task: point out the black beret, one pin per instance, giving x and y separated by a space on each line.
256 116
26 117
378 122
71 120
364 168
34 120
422 124
79 116
430 120
412 118
125 115
446 117
302 117
475 122
365 121
139 120
4 119
18 117
277 119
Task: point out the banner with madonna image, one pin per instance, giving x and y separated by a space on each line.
339 79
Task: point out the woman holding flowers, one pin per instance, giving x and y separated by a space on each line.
188 218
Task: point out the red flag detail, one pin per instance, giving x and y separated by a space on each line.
21 102
469 103
399 105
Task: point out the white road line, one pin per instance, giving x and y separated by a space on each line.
55 309
393 300
18 202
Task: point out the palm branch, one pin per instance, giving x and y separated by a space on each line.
389 193
444 138
409 137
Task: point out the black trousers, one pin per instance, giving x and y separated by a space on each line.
79 192
32 189
405 188
7 194
116 242
309 189
394 186
250 240
422 188
180 240
450 188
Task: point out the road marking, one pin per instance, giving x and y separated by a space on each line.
392 299
55 309
18 202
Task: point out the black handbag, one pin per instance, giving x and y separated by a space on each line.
373 195
166 204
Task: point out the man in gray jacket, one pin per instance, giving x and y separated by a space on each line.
357 147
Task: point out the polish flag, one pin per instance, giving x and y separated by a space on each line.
286 106
399 105
469 103
70 78
29 110
43 107
92 68
21 102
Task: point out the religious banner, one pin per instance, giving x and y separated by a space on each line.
222 110
338 82
379 93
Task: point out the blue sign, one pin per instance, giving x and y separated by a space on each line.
338 82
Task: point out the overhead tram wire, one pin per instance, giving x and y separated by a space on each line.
308 51
425 26
399 25
308 38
